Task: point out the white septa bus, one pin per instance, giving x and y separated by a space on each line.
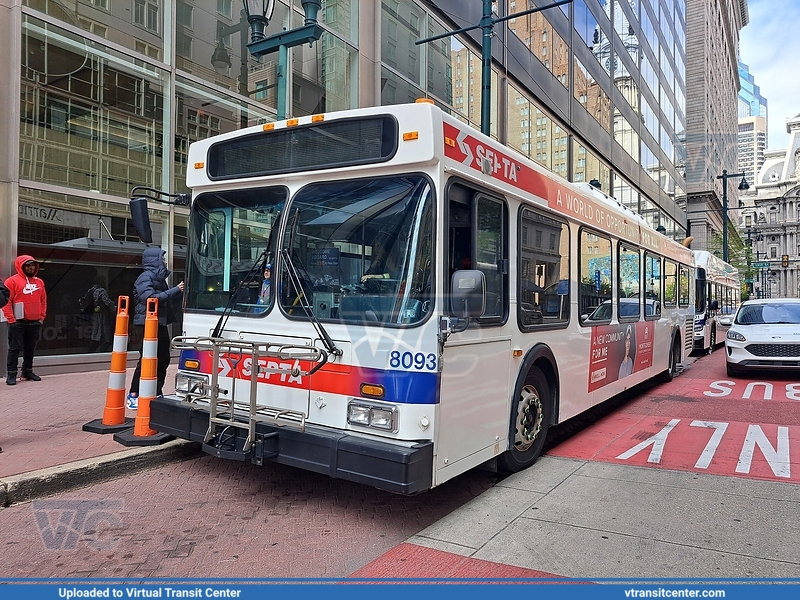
717 296
436 300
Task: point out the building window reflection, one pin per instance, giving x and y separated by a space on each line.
145 13
87 123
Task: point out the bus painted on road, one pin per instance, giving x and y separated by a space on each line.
387 296
717 294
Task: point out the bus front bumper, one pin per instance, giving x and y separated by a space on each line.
398 469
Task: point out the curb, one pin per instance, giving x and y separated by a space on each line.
81 473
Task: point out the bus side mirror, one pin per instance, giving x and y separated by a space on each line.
468 293
141 219
714 305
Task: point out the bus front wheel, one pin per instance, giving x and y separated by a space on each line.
530 420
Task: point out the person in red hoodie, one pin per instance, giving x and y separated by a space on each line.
25 312
3 300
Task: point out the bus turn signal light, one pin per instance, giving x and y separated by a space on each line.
372 390
410 135
199 165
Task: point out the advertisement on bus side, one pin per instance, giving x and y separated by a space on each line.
618 351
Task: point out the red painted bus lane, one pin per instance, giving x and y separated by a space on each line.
705 422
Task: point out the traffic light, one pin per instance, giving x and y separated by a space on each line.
785 260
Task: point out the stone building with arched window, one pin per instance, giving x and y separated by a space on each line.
773 219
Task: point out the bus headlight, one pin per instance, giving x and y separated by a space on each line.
735 335
358 414
382 418
372 415
189 383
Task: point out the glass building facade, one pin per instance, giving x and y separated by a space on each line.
753 125
106 95
751 102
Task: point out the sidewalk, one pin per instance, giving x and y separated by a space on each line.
44 447
576 513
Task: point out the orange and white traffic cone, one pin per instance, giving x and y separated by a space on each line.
142 435
114 419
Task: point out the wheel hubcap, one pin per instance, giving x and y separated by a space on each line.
529 418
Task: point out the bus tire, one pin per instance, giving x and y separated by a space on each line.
713 339
672 368
530 419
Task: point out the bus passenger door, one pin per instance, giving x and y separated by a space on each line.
473 421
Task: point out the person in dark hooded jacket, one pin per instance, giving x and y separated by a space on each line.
152 283
3 294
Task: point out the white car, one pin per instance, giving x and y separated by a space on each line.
764 335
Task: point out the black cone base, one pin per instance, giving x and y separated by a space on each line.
126 438
97 426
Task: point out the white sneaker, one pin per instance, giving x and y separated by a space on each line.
132 402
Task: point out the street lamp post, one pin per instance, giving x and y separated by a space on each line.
487 27
259 12
221 60
759 238
743 185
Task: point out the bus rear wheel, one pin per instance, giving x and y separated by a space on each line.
672 368
530 420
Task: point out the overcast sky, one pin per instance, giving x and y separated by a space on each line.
768 45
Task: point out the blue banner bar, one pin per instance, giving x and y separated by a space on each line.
433 589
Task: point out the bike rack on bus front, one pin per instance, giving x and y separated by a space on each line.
229 413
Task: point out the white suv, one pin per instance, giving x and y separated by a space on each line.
764 334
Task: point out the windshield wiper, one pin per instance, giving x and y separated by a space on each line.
295 279
223 318
262 259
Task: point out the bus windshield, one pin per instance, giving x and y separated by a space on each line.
362 250
230 232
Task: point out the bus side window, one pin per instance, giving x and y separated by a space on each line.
460 243
670 283
652 278
594 260
477 239
543 270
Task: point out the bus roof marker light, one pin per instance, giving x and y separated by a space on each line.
268 126
423 101
199 165
317 118
292 122
410 135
